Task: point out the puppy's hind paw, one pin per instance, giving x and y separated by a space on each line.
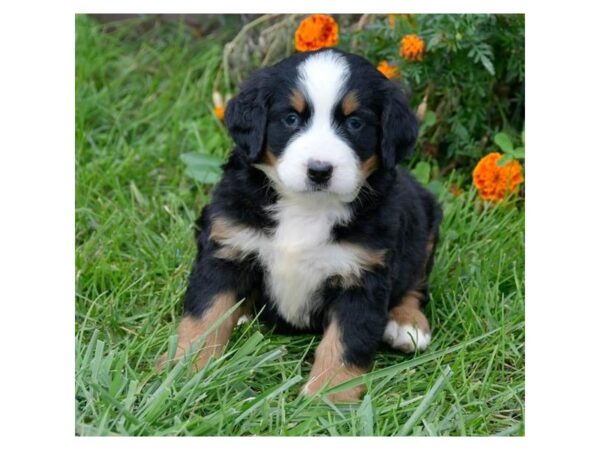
406 338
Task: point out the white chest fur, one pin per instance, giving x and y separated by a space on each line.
299 255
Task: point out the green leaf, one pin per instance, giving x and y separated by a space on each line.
487 63
504 160
202 167
436 187
428 120
422 172
200 160
204 175
503 141
519 153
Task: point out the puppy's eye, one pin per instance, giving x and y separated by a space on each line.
354 123
292 120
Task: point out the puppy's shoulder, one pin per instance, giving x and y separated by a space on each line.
241 196
416 200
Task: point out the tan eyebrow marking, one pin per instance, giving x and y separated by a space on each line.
298 101
350 103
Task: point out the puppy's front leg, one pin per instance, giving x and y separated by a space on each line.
358 319
210 294
219 278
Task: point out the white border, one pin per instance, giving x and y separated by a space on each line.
37 188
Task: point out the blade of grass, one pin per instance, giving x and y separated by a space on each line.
426 402
273 392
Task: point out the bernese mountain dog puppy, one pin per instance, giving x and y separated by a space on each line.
313 222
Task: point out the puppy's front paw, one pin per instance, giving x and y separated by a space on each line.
405 337
245 318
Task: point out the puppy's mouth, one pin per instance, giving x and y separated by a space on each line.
317 187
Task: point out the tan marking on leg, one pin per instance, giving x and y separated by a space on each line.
350 103
408 312
369 166
329 368
191 328
429 248
408 329
298 101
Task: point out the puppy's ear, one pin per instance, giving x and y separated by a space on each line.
246 114
399 127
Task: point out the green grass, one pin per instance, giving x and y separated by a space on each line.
142 99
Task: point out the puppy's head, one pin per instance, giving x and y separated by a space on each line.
321 122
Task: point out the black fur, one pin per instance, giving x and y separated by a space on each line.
246 115
395 213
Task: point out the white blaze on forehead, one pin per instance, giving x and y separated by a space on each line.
322 78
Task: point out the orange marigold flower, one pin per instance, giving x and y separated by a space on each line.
218 105
412 47
315 32
387 69
495 182
219 112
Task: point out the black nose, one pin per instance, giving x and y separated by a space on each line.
319 171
